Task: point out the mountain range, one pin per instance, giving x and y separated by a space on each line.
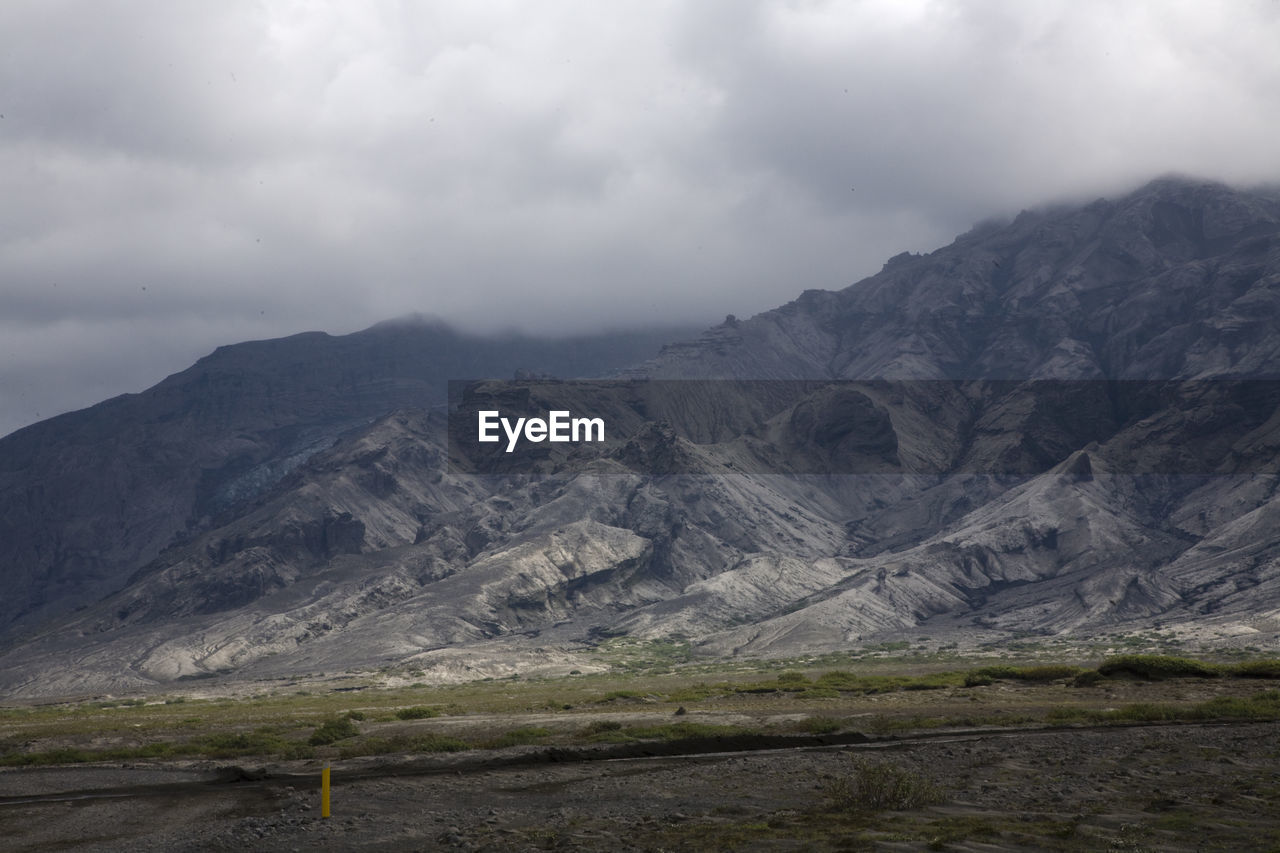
290 506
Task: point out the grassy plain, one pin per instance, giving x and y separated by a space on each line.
651 691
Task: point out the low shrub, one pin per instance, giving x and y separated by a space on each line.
1261 706
820 725
1088 678
1003 672
1256 669
53 756
437 743
1148 712
1156 667
420 743
696 693
838 679
261 741
875 786
848 682
417 712
1265 705
595 727
332 731
614 695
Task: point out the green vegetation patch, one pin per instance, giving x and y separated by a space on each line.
1156 667
845 681
820 725
427 743
628 655
1260 706
1003 672
333 730
1269 668
417 712
263 741
286 725
260 742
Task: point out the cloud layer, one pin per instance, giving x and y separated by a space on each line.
184 174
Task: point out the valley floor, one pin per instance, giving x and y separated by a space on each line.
1159 787
1140 753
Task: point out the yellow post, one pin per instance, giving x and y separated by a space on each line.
324 791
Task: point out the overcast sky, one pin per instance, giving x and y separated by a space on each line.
180 174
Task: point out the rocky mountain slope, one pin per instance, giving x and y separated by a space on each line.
332 541
88 497
1174 280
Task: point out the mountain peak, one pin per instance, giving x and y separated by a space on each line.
1170 280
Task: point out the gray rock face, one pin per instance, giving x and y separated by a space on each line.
1137 505
89 497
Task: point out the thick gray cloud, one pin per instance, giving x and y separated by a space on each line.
183 174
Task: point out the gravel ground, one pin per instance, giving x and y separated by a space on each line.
1160 788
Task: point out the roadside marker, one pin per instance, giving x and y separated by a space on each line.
324 791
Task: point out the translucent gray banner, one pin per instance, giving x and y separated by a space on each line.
933 427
